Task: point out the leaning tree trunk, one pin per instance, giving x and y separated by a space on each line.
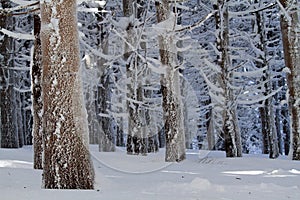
67 163
230 124
8 107
291 47
37 103
171 94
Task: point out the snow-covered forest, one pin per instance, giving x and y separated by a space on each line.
150 83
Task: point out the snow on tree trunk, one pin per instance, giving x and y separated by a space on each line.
291 46
171 94
67 163
136 138
270 143
37 103
8 98
150 119
231 132
106 137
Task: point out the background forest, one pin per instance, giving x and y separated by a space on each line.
212 75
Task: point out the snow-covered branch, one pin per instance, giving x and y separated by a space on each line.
29 8
20 36
197 24
284 11
257 100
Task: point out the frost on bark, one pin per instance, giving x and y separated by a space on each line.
269 133
106 136
231 132
136 137
291 46
37 103
8 98
171 94
67 163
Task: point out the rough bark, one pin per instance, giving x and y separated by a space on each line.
67 163
37 103
8 101
291 47
171 94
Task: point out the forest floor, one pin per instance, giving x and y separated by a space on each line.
204 175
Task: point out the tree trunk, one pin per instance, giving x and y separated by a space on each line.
291 47
67 163
8 101
286 129
171 94
136 138
231 132
106 138
37 103
211 133
270 143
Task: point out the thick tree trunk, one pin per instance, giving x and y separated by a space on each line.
37 103
67 163
291 47
171 93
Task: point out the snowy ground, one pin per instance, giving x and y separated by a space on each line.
203 176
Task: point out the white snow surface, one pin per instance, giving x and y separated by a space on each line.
204 175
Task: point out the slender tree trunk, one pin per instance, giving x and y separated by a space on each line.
211 133
37 103
291 47
67 163
8 106
106 138
278 126
150 119
136 138
270 144
120 130
231 132
286 129
171 93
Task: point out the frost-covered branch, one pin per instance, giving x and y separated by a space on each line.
20 36
24 3
30 8
257 100
284 11
197 24
255 10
